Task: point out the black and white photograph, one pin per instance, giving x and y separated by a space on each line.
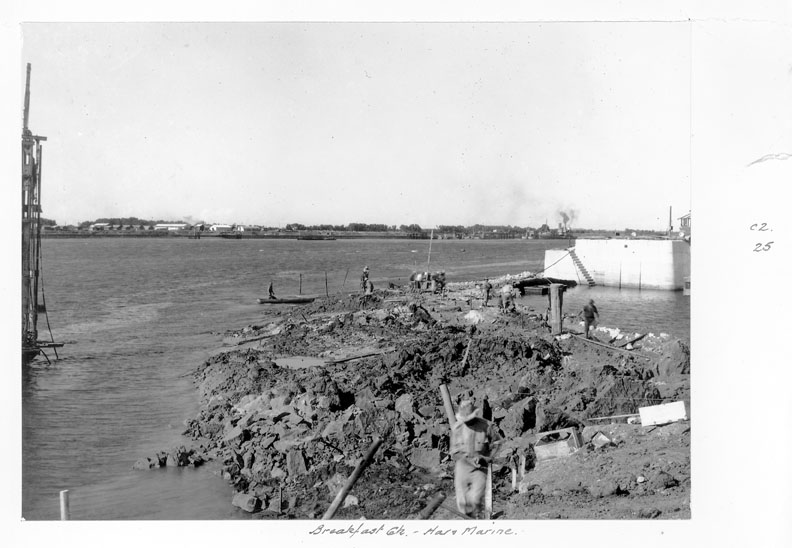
368 280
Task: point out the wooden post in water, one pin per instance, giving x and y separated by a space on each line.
327 293
556 323
64 505
300 283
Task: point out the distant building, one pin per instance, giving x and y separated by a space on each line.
99 226
221 228
171 226
684 224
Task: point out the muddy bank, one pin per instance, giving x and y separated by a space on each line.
295 401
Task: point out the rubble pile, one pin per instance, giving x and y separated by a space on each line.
289 415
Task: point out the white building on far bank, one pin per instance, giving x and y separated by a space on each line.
171 226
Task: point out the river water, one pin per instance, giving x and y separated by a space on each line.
139 314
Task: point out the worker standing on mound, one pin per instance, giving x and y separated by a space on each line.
364 278
271 291
507 298
487 289
590 317
474 442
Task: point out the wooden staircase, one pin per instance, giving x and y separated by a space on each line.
581 268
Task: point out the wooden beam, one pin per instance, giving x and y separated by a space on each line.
434 504
638 338
556 318
448 404
608 346
612 417
352 479
361 356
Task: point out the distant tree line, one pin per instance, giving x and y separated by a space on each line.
480 229
357 227
126 221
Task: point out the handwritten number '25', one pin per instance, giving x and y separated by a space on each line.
761 247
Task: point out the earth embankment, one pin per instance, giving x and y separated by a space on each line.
292 404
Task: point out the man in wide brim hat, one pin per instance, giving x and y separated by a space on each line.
474 441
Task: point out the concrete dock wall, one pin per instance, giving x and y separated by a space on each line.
643 264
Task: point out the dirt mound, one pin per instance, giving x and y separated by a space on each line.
288 437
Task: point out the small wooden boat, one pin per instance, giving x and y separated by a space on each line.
287 300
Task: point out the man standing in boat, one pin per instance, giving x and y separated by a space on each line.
271 291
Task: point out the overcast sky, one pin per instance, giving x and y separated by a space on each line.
395 123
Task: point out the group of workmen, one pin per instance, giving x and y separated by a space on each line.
435 281
507 296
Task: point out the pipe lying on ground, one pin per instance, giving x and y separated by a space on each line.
434 504
613 417
608 346
638 338
352 479
361 356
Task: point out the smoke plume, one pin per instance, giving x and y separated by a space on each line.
567 216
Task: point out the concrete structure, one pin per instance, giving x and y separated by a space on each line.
634 263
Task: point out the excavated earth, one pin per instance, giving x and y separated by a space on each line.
291 405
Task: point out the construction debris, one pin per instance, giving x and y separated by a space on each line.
292 415
663 413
